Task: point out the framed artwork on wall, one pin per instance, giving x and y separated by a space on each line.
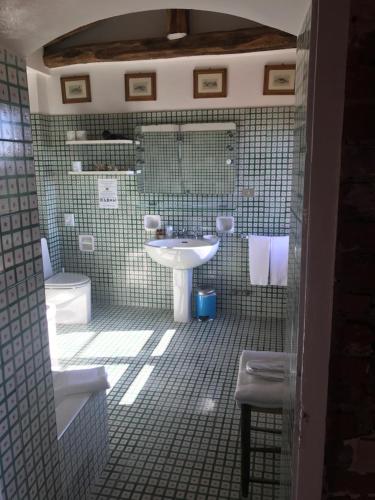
279 79
140 87
210 83
75 89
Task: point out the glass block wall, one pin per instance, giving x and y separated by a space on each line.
29 460
121 272
294 271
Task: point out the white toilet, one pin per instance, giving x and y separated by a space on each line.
70 293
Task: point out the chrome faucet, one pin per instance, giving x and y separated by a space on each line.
185 233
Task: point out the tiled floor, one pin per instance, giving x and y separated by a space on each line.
174 426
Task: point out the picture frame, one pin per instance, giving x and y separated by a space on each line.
279 79
210 83
75 89
140 86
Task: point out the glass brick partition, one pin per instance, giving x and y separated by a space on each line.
121 272
294 272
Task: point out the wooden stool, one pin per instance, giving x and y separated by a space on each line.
255 393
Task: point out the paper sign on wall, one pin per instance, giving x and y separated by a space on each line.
107 189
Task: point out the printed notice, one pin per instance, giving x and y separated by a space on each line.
107 189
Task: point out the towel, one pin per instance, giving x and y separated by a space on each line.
279 260
267 375
67 382
257 366
268 368
259 258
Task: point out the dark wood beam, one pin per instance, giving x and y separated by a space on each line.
219 42
177 21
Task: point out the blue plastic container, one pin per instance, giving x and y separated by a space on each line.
205 304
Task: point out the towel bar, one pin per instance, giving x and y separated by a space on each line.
245 236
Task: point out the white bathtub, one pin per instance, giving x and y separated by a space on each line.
67 409
69 400
83 442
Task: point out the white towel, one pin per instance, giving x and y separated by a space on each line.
279 260
269 367
273 366
67 382
267 375
259 259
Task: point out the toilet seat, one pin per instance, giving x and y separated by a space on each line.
67 280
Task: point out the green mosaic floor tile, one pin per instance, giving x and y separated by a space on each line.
179 436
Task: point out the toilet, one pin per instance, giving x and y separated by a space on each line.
68 293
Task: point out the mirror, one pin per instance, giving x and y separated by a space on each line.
196 158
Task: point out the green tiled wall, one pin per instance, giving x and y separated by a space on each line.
121 272
29 461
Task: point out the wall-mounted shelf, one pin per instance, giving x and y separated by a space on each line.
100 142
106 172
181 207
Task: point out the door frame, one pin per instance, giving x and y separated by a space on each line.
325 110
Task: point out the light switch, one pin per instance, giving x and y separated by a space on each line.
69 219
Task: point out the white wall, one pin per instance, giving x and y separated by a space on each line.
174 84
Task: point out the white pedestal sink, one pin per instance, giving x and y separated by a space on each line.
182 255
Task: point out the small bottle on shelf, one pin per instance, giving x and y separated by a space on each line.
160 234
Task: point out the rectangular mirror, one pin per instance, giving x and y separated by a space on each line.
196 158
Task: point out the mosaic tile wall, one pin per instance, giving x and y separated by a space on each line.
294 271
121 272
29 461
83 448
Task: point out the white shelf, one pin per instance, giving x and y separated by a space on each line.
106 172
101 141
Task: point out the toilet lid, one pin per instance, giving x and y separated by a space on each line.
66 280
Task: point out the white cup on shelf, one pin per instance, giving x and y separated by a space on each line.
81 135
71 135
76 166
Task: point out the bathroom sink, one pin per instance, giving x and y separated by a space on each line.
182 253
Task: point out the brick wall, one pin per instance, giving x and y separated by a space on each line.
350 438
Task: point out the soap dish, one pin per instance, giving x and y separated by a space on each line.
151 222
225 224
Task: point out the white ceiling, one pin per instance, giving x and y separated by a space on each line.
27 25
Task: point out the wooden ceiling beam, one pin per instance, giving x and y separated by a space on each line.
215 43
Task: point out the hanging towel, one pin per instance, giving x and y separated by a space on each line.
259 259
279 260
77 381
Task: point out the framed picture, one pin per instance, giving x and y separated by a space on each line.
75 89
140 87
210 83
279 79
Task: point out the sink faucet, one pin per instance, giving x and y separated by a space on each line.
185 233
